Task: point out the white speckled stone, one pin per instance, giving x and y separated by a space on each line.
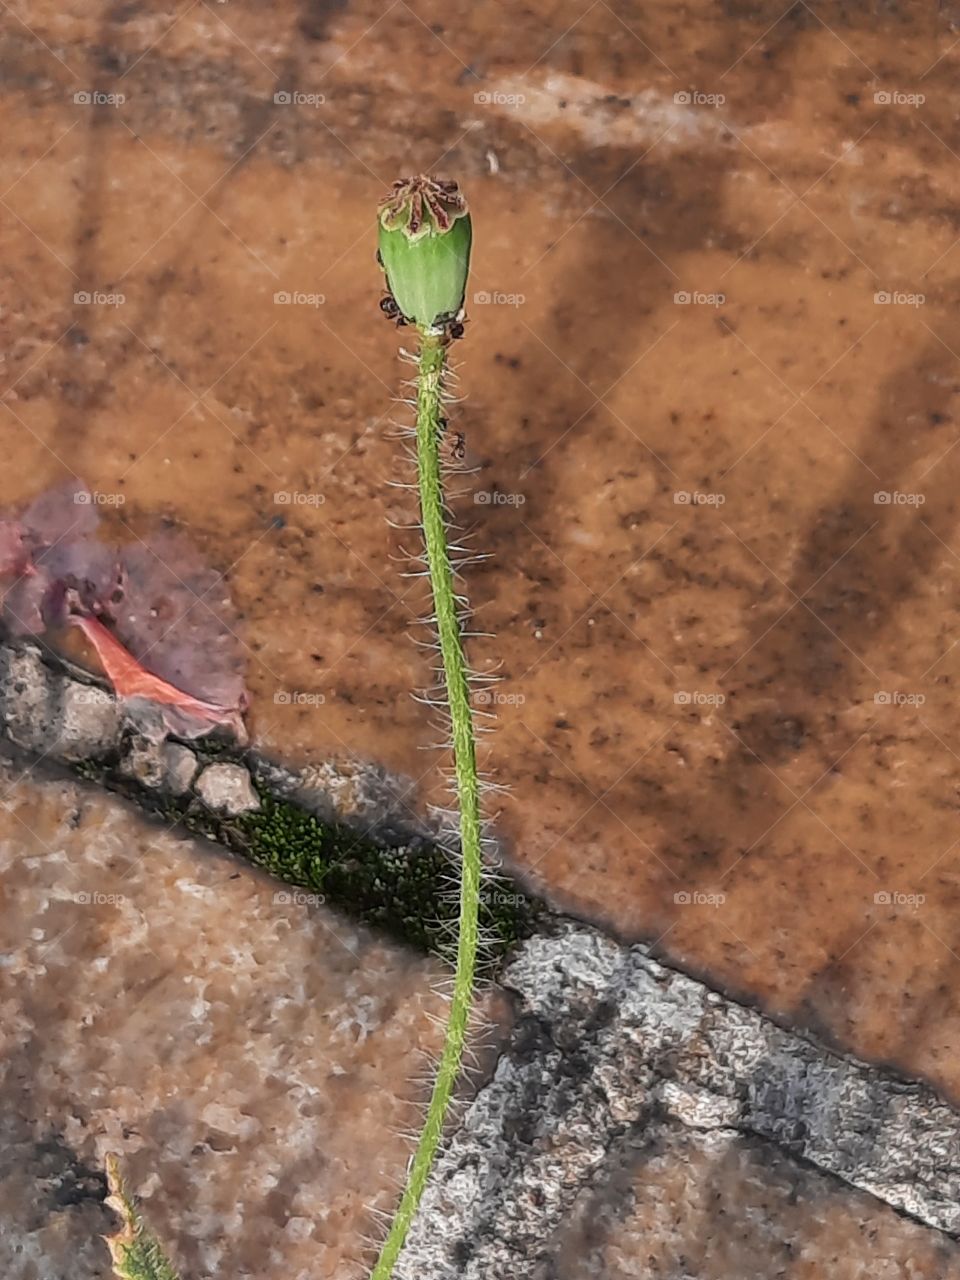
28 699
227 788
179 767
89 721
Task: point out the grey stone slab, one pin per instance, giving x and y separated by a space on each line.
609 1042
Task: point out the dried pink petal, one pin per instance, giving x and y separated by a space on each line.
176 617
160 619
183 714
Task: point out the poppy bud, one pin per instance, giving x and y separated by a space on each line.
424 238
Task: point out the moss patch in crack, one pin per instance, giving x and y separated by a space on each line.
409 891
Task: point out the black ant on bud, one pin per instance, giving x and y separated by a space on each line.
451 322
388 305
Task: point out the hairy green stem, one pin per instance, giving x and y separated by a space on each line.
432 358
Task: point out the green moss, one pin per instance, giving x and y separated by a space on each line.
408 891
88 770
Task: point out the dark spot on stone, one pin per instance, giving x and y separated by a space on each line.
315 17
772 737
64 1177
123 13
462 1252
218 1141
109 60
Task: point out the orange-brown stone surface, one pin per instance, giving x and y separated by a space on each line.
712 318
254 1059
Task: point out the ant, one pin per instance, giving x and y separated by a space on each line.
459 446
388 305
451 324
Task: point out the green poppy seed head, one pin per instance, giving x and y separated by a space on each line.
424 237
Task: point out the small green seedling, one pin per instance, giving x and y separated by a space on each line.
134 1252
